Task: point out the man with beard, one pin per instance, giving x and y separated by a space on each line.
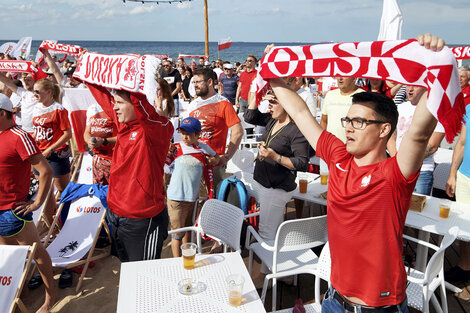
217 116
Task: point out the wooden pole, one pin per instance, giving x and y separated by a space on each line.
206 28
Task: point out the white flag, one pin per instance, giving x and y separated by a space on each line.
391 21
23 48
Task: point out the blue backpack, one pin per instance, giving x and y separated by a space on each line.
226 185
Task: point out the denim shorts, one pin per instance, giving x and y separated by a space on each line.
12 224
60 165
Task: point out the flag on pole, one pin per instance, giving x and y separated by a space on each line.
22 48
225 43
391 21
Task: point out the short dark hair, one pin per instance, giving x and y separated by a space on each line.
384 107
252 56
9 114
205 72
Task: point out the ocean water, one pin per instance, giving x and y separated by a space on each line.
237 52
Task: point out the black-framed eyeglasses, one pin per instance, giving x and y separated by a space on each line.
358 122
36 92
250 61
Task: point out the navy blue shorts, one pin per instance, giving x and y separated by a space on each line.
60 165
12 224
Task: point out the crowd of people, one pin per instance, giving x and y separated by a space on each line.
377 135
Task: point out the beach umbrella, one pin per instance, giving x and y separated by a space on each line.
391 21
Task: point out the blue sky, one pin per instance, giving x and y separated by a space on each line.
243 20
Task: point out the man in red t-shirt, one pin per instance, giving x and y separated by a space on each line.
217 116
18 153
244 84
464 75
368 194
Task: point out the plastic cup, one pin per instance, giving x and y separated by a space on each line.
188 250
444 209
324 178
235 288
303 183
323 172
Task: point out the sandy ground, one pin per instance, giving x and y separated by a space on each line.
99 290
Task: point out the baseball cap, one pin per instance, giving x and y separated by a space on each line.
7 105
228 66
190 124
207 63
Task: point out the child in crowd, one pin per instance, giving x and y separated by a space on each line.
193 159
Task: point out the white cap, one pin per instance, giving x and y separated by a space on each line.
5 103
207 63
228 66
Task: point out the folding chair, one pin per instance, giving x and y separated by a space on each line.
219 220
84 174
13 274
242 160
78 235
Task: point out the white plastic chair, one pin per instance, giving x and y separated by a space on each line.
322 271
220 221
14 267
440 176
291 253
423 285
78 236
242 160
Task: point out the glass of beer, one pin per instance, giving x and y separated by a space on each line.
188 250
303 182
323 172
235 289
444 209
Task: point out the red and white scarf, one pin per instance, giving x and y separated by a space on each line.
129 72
200 154
60 48
17 66
402 61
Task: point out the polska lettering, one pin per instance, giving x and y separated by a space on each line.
50 45
16 66
5 280
87 209
461 52
105 70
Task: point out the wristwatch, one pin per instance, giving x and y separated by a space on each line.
279 159
105 142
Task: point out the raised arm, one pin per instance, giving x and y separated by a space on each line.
8 82
53 67
297 110
410 155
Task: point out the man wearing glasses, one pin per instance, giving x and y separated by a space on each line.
368 194
217 116
244 83
228 83
173 78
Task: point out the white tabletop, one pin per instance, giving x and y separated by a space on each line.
151 286
314 189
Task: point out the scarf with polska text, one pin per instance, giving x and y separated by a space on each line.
60 48
402 61
199 154
130 72
17 66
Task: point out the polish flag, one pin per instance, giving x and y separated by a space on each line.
225 43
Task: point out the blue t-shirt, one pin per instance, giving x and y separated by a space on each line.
186 177
465 166
230 87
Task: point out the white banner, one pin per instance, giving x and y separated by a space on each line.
23 48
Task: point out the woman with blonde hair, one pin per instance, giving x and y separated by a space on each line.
52 131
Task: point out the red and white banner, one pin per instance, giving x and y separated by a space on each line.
184 56
22 48
161 56
77 101
129 72
461 53
225 43
16 66
60 48
402 61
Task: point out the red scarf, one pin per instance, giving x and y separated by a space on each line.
59 47
402 61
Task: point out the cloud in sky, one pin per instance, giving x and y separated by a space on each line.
243 20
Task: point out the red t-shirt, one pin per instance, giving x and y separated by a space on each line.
216 115
15 170
367 208
245 79
101 125
49 125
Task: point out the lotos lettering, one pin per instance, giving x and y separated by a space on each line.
5 280
87 209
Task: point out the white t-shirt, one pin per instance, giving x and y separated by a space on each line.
28 102
405 114
336 106
218 71
308 98
16 100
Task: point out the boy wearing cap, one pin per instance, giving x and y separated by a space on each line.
19 151
192 160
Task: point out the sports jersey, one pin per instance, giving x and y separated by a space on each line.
216 115
245 79
367 207
49 125
15 171
136 177
102 126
